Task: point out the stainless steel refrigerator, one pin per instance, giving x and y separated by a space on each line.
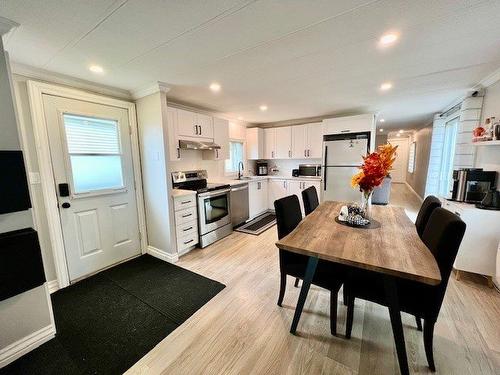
342 157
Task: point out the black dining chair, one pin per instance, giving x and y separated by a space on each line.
442 236
328 275
310 199
428 206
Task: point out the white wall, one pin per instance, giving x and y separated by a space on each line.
488 157
28 312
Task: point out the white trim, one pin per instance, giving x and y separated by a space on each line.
36 90
26 344
149 90
53 286
163 255
61 79
6 25
490 79
185 251
414 192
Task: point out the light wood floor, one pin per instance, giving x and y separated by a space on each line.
243 331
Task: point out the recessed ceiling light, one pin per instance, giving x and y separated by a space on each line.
400 131
240 118
398 135
215 87
385 86
382 120
263 107
381 130
96 69
388 39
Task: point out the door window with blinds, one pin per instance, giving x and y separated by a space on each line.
94 152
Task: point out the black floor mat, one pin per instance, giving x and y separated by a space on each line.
259 224
109 321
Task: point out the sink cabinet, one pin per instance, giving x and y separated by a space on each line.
257 197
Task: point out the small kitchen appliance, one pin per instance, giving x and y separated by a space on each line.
309 170
471 184
262 169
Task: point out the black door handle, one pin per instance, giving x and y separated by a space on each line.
66 205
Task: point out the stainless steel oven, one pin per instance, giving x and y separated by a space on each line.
214 215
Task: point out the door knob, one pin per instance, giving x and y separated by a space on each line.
66 205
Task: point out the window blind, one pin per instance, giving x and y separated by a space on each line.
86 135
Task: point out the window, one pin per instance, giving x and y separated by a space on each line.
235 156
411 158
94 153
450 138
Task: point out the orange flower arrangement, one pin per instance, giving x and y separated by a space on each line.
375 168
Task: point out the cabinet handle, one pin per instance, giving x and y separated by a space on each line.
200 128
308 153
186 242
305 153
187 215
185 202
289 153
185 230
345 131
272 154
196 129
178 153
216 153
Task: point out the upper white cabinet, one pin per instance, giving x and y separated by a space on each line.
307 141
191 124
270 143
173 141
255 143
278 143
221 137
350 124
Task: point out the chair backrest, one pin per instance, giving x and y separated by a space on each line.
442 236
310 199
288 214
428 206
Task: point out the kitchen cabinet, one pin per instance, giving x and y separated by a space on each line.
173 140
269 143
186 222
276 189
349 124
255 143
278 143
284 142
307 141
221 137
191 124
296 187
257 198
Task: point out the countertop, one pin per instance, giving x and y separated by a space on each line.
182 192
236 182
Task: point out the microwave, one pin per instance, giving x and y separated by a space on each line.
309 170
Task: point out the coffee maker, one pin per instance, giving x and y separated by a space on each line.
471 184
262 168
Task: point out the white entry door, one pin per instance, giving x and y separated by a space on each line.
94 178
400 166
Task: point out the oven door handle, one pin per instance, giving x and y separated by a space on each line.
210 194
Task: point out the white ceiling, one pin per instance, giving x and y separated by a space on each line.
301 58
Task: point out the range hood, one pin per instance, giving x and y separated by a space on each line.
197 145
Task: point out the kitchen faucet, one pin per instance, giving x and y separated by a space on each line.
240 174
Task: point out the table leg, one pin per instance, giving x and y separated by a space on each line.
306 283
397 326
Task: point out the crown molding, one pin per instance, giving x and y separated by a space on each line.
6 25
150 89
490 79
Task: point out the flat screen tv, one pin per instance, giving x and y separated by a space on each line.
14 193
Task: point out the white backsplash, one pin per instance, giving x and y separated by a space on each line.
193 160
285 166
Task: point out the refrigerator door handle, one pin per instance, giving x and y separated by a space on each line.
324 180
326 155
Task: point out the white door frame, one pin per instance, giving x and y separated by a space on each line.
36 90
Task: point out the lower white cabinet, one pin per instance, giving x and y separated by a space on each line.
257 198
186 222
281 188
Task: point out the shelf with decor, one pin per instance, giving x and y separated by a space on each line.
486 143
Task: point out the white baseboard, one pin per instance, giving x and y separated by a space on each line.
26 344
185 251
53 286
414 192
163 255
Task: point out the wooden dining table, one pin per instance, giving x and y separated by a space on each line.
392 249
